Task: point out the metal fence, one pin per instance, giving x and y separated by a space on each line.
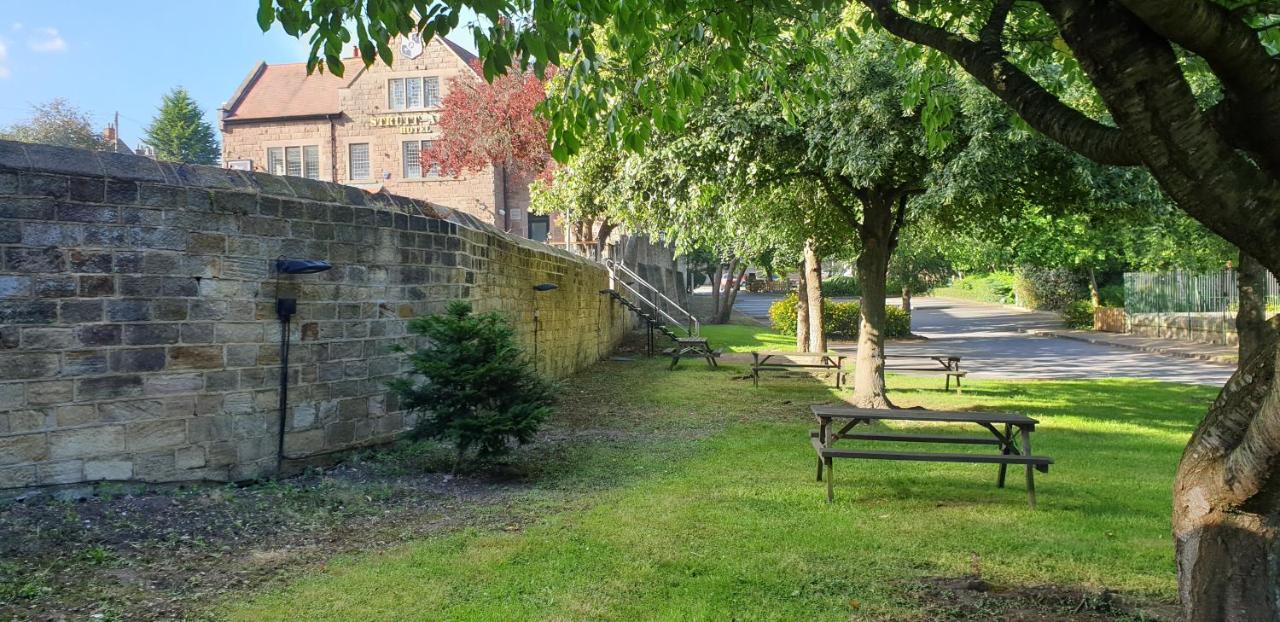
1188 306
1186 292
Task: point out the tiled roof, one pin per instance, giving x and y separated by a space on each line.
276 91
283 91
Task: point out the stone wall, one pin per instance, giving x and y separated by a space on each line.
138 332
1215 328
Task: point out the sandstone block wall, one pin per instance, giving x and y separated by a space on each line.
138 331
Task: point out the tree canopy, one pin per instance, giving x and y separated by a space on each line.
55 122
179 132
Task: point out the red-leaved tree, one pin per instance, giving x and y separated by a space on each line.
492 124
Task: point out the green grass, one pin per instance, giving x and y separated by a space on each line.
744 338
717 515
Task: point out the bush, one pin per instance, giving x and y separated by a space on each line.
1112 295
477 388
841 319
1078 314
782 314
841 286
1048 288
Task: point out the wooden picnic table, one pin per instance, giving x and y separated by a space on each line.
1010 431
949 364
693 347
767 361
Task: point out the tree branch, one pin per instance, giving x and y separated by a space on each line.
1040 108
898 221
994 29
1227 42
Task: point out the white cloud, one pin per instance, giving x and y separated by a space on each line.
46 40
4 56
16 26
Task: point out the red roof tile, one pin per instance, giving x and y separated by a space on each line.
287 91
282 91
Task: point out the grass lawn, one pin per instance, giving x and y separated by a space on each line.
745 338
718 516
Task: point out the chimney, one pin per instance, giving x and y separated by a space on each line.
109 135
355 51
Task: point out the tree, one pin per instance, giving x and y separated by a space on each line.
1187 89
179 132
584 192
55 122
477 389
495 124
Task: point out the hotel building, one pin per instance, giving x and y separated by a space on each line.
367 129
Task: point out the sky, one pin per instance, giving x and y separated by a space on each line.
124 55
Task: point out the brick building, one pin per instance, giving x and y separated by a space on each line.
366 129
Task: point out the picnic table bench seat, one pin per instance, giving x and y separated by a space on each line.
1015 445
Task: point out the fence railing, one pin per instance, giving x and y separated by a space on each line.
1187 292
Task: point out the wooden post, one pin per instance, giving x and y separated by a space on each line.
1031 478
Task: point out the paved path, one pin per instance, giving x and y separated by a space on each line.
990 339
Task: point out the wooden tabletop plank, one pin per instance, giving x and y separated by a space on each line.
848 412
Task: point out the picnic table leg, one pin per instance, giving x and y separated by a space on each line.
822 440
831 493
755 382
1031 478
711 358
1008 438
675 357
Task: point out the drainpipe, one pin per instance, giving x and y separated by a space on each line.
333 152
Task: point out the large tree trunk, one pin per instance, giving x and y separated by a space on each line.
802 314
876 235
906 300
716 278
602 237
1252 327
1226 511
1095 296
730 296
813 292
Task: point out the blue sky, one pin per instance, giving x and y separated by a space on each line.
124 55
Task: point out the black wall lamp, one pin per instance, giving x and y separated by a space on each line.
285 308
537 323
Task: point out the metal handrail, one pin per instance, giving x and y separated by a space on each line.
614 266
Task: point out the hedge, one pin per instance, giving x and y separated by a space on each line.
841 319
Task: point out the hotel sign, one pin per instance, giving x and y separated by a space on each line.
409 123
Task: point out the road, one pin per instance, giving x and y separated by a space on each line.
988 338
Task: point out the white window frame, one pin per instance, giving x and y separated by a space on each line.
422 145
395 94
415 93
275 160
293 160
351 162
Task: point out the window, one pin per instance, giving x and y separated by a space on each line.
293 161
413 93
431 90
358 161
413 160
275 161
395 94
296 161
311 162
539 227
